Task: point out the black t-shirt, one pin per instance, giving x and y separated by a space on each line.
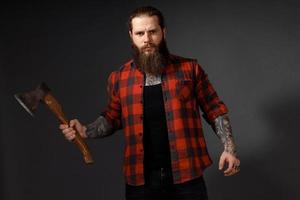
156 143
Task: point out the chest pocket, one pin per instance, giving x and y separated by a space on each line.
185 90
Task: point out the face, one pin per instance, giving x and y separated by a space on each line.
146 33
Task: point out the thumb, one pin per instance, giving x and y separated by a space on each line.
76 123
221 162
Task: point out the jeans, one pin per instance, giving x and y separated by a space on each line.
159 186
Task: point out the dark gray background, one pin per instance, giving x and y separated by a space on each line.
250 49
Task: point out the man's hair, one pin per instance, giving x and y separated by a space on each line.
148 11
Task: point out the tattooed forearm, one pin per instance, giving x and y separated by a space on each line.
99 128
223 130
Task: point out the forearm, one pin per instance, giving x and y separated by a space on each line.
223 130
99 128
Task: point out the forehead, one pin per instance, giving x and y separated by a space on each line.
144 22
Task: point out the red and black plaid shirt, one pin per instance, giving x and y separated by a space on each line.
185 88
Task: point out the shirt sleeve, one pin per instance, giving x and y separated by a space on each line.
112 112
207 97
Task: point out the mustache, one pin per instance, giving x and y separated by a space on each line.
149 45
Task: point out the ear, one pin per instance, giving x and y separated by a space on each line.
130 33
165 32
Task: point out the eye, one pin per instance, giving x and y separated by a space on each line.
152 31
139 33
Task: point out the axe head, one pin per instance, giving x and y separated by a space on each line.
30 100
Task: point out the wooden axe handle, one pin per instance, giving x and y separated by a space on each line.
56 108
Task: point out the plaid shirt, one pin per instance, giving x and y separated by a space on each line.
185 88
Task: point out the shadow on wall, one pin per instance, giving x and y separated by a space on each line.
281 156
271 172
253 182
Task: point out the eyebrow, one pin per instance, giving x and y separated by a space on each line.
153 29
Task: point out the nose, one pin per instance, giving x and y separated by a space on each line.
147 37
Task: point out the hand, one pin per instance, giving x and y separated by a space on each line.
233 163
69 131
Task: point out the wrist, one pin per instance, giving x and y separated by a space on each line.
230 149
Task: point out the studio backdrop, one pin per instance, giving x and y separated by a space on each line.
249 49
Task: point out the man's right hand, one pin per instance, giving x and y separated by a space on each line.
69 131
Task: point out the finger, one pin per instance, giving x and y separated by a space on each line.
78 126
221 163
229 174
229 170
237 164
63 126
74 122
68 130
230 167
234 171
70 135
236 168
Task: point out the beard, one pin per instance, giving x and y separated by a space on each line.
154 62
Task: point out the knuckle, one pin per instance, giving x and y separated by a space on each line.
69 137
65 131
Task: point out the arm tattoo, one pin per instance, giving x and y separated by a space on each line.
152 79
99 128
223 130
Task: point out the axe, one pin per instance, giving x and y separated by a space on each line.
30 101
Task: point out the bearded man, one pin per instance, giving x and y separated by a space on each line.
155 98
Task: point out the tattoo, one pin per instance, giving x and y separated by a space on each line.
223 130
99 128
152 80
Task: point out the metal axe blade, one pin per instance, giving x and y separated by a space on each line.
18 97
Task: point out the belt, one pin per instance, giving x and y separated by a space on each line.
158 177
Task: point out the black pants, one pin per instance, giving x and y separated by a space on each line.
159 186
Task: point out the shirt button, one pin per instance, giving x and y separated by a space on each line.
140 134
141 150
141 86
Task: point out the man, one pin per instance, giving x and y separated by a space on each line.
155 98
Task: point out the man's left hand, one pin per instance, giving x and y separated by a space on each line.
233 163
